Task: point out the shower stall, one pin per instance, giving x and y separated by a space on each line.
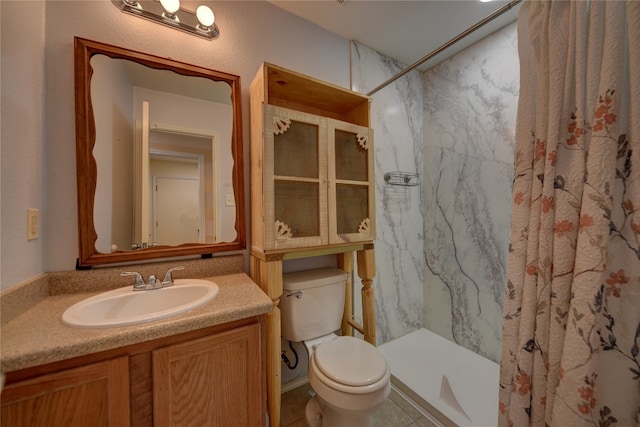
442 244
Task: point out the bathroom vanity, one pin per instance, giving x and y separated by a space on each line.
205 366
202 367
312 193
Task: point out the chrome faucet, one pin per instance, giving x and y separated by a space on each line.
152 282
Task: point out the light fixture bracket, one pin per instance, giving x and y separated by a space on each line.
184 20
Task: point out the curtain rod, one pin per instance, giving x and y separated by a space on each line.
454 40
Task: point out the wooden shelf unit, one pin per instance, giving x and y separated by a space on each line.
324 188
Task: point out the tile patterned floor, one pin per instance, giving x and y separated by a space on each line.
394 412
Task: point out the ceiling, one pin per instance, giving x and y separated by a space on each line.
403 30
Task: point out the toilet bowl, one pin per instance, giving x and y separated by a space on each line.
351 379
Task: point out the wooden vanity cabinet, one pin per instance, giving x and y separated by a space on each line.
208 377
211 381
96 394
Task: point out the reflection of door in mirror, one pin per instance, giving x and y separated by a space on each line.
181 117
177 209
182 180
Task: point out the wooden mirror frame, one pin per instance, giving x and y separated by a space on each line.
87 168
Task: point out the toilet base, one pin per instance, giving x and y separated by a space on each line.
313 413
319 414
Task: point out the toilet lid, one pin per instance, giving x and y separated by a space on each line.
350 361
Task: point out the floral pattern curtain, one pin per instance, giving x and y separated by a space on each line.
571 332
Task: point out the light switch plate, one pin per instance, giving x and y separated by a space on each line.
229 200
33 224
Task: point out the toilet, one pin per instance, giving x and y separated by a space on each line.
350 377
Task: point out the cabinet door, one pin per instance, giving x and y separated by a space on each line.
351 184
212 381
295 171
91 395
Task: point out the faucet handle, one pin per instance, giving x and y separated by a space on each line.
168 278
139 280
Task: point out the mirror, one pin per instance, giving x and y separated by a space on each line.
159 157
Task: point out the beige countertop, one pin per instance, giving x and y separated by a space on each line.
38 336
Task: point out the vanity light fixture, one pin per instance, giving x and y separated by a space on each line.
169 13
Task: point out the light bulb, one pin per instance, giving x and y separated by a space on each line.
205 16
170 6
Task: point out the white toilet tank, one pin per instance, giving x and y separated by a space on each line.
312 303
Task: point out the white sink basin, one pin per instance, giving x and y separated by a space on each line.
124 306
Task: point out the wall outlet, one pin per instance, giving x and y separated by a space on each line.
33 224
229 200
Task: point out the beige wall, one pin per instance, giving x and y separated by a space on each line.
38 136
22 137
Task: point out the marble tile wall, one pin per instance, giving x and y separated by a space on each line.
441 247
397 119
470 104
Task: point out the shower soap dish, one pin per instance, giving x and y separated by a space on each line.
405 179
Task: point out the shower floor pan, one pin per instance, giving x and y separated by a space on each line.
454 385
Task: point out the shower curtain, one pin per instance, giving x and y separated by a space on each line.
571 331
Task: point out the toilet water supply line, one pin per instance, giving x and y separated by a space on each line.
286 360
451 42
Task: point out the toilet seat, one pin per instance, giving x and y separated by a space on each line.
350 365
